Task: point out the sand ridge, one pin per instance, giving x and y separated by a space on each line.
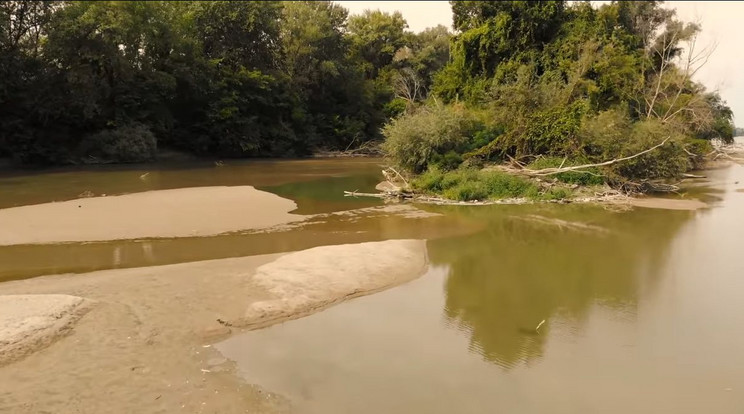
312 279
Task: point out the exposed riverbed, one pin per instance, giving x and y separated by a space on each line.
642 306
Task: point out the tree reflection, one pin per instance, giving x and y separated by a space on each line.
504 280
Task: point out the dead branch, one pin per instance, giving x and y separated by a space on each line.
553 170
356 194
396 173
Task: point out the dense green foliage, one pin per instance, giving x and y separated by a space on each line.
110 81
538 82
471 184
552 82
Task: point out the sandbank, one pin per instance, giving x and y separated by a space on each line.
184 212
145 345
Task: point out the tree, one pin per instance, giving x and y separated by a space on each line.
417 63
333 105
23 26
561 81
375 38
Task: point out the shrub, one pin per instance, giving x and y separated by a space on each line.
470 184
699 147
611 134
558 193
413 139
668 161
449 161
552 131
128 143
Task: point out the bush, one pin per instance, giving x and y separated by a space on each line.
552 131
471 184
449 161
414 139
668 161
611 134
699 147
558 193
128 143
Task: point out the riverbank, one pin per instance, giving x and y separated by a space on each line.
502 184
589 195
145 344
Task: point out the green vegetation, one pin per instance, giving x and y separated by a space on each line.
470 184
589 176
552 83
110 81
536 84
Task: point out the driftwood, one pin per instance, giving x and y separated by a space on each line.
356 194
630 187
401 195
366 149
579 168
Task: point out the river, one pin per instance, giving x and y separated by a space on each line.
643 309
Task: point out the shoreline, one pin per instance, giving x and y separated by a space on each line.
146 340
613 198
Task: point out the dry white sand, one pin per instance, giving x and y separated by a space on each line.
29 322
304 281
197 211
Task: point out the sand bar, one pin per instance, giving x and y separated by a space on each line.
145 344
184 212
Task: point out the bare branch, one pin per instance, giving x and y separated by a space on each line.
551 171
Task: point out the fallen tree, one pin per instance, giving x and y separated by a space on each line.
580 168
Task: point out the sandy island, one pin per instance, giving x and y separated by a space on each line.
144 345
197 211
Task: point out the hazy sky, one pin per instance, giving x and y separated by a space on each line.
722 23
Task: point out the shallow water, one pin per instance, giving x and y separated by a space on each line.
643 309
644 312
315 185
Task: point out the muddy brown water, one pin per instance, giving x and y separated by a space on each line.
643 309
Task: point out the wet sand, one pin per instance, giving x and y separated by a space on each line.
198 211
145 345
665 203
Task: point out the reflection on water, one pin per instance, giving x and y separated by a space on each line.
327 194
315 185
373 224
643 310
506 279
